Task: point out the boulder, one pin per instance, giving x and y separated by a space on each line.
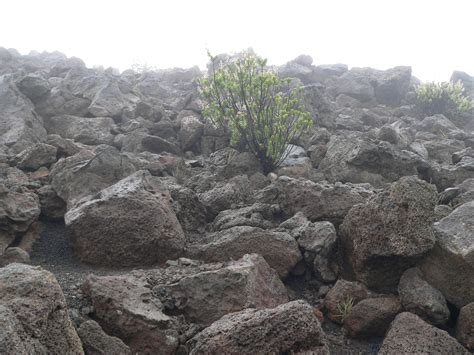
344 292
112 99
190 132
317 201
60 101
358 160
291 327
409 334
392 85
279 249
87 130
317 242
36 156
465 326
355 83
450 265
65 147
52 206
88 172
20 126
419 297
14 255
135 306
157 145
96 342
226 195
191 213
33 86
390 232
18 211
33 313
372 317
124 307
259 215
103 231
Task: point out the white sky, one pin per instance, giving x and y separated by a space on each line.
435 37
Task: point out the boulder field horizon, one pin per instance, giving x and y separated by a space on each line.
129 224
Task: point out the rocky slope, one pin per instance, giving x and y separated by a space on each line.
153 236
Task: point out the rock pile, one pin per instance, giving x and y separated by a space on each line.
367 226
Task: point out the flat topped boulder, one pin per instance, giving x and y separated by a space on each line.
129 223
290 327
279 249
450 265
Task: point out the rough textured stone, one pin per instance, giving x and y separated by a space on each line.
465 326
372 317
318 201
18 211
52 206
96 342
88 172
190 132
123 307
33 313
157 145
291 327
409 334
360 160
279 249
134 306
317 241
20 127
36 156
450 265
87 130
259 215
104 231
343 291
14 255
419 297
390 233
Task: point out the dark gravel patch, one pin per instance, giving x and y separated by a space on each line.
53 252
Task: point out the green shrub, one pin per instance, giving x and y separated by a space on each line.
446 98
262 111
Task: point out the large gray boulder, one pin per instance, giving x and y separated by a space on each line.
409 334
279 249
419 297
390 233
317 201
112 99
18 211
129 223
33 313
360 160
137 307
88 172
87 130
20 126
36 156
387 87
291 327
450 265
